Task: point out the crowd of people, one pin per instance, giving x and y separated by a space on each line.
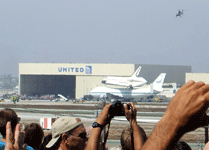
185 112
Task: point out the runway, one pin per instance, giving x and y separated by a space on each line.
37 116
86 103
36 113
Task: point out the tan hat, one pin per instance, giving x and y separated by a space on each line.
62 125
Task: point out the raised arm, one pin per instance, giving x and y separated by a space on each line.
94 139
186 112
131 117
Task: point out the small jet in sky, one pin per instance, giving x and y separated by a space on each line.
179 13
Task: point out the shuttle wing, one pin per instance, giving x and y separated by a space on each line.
115 81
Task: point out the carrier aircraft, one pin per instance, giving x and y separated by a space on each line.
131 82
128 93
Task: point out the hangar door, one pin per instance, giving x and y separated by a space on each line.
33 85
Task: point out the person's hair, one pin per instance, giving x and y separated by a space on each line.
7 115
181 145
33 135
125 138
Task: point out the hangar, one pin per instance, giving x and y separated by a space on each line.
78 79
204 77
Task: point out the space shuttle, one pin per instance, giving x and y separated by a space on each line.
131 82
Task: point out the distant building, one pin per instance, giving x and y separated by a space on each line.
204 77
78 79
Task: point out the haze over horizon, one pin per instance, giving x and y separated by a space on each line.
119 31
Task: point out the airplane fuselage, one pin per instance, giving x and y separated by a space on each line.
126 93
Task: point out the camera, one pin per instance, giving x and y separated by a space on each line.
117 109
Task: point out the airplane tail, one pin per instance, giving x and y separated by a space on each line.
136 73
158 83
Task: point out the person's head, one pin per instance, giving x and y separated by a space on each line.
33 135
125 138
182 146
7 115
68 133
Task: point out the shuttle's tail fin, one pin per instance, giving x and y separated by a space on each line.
136 73
158 83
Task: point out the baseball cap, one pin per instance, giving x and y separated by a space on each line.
62 125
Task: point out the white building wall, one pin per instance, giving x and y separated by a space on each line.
197 77
84 84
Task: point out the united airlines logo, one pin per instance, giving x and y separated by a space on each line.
87 69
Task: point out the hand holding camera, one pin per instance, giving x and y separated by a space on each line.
109 111
130 113
116 109
122 109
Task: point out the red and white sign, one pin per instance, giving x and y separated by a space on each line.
46 123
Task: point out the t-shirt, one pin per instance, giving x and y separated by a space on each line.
2 146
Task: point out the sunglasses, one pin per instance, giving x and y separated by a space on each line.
82 135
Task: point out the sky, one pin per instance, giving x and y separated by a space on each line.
104 31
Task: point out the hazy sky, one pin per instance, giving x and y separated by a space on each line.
104 31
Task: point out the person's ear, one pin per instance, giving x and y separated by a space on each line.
64 137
